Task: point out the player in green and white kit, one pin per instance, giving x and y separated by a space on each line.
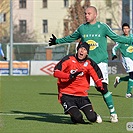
95 34
127 60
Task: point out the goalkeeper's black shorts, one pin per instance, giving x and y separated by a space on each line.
69 101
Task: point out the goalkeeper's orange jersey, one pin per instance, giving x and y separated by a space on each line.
80 85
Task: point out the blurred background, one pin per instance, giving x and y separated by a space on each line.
27 25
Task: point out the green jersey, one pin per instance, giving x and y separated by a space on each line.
125 49
96 36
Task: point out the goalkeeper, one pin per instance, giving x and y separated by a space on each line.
73 73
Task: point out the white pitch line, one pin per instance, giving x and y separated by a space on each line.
20 114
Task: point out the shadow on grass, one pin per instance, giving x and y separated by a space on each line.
90 94
44 117
95 94
48 94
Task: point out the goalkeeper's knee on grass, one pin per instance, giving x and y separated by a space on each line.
76 115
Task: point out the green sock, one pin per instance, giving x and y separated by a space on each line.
130 86
109 102
126 78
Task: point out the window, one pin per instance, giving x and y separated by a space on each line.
109 22
2 17
108 3
22 26
44 3
66 3
45 26
22 3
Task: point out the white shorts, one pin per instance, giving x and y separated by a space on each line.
127 64
104 68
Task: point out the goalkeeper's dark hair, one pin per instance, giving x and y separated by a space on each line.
125 24
85 45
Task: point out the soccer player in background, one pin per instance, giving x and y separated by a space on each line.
2 53
73 73
127 60
95 34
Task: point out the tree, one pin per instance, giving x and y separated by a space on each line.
18 36
76 15
75 18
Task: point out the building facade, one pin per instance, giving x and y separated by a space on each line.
46 17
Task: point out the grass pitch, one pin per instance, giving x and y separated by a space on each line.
28 104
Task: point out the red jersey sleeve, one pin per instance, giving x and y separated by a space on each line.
61 75
59 70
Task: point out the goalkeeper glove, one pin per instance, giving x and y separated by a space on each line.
99 88
74 75
52 41
114 57
99 85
